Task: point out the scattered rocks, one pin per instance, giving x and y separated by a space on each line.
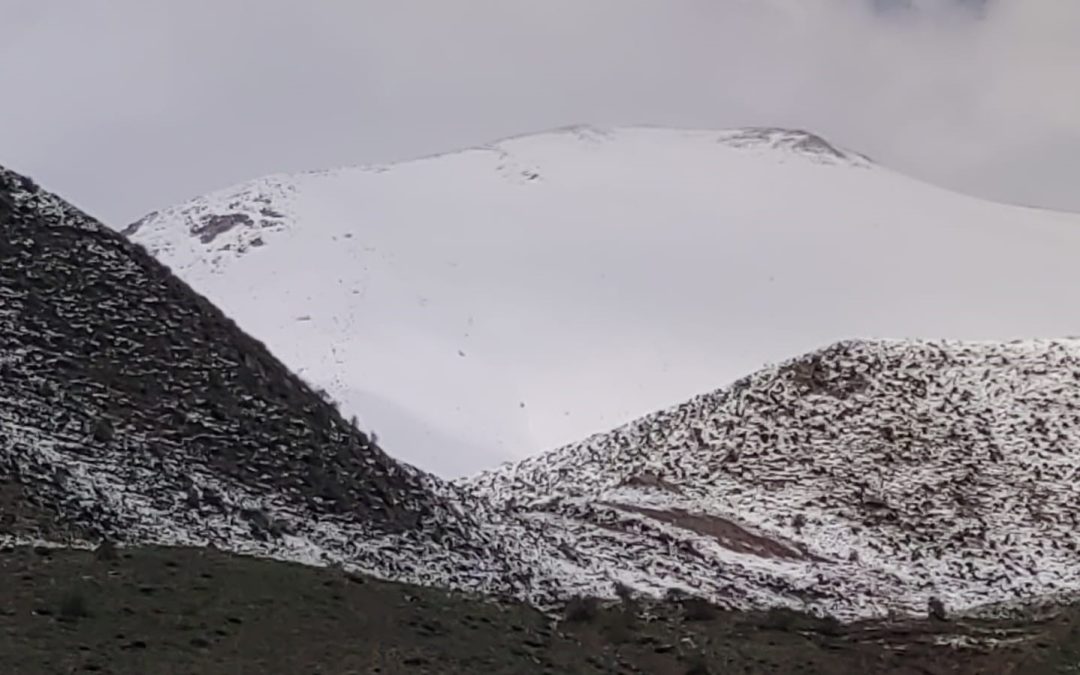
951 461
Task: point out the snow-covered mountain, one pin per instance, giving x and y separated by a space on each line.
132 408
864 478
859 479
488 304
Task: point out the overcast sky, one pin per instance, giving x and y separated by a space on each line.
129 105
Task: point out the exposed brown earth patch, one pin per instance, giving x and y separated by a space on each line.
725 532
214 225
648 479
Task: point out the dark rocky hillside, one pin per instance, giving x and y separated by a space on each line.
131 407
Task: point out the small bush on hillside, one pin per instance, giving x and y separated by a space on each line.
581 609
798 522
103 431
675 595
780 618
629 602
106 551
936 609
698 609
830 625
624 593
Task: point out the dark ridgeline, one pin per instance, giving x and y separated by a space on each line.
125 396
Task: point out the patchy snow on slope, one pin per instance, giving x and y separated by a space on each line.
867 477
862 479
486 305
131 408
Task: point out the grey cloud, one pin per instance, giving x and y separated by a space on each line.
129 105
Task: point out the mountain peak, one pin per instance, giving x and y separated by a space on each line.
497 302
797 141
234 221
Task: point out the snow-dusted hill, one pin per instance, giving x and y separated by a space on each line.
866 477
489 304
132 408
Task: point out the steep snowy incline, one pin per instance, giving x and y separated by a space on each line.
485 305
865 477
132 408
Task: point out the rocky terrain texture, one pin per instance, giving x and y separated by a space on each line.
863 479
132 409
799 143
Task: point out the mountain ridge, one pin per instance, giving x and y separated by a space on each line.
916 469
135 410
856 481
499 302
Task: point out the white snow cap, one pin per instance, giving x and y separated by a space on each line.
489 304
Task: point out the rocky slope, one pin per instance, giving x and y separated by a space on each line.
131 408
862 479
490 304
865 478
